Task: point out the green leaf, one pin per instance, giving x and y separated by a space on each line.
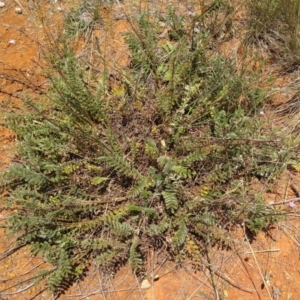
97 180
135 257
171 200
182 171
180 235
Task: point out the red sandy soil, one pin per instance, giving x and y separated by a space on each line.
273 272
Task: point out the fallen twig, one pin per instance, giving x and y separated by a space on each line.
263 251
285 201
227 279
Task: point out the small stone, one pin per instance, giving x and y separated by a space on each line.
145 284
155 277
59 9
18 10
12 42
86 17
2 4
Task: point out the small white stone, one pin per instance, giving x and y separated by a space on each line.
2 4
145 284
86 17
18 10
59 9
12 42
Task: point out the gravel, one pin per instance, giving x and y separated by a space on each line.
18 10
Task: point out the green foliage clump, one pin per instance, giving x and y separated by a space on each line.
81 20
162 158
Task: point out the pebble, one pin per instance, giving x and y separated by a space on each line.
18 10
145 284
86 17
2 4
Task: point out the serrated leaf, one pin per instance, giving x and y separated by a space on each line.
180 235
171 200
182 171
135 257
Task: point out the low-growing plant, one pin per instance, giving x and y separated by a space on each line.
81 20
157 155
276 23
